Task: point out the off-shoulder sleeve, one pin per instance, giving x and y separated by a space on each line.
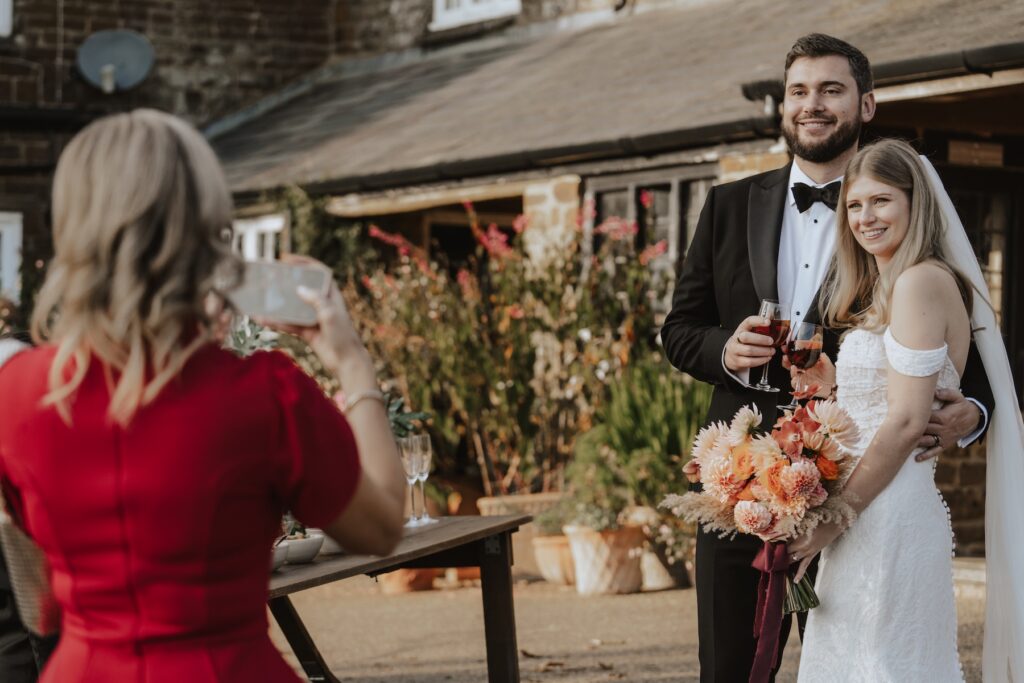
913 362
314 445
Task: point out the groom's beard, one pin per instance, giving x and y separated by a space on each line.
845 136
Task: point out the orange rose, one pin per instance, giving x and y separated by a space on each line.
829 469
771 480
743 461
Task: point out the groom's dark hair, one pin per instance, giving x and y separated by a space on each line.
821 45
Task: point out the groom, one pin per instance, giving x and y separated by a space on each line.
772 236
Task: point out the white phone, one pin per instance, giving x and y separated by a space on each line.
268 290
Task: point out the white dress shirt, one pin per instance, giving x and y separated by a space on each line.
806 245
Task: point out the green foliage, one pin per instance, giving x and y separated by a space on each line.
335 241
403 422
512 354
633 455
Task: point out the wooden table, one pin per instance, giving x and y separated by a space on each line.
483 542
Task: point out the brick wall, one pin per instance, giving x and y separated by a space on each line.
960 475
211 57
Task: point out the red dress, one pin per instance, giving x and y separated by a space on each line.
159 534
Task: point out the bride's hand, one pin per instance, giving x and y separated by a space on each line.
805 548
817 381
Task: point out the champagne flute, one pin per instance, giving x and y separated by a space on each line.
803 351
409 448
423 447
777 328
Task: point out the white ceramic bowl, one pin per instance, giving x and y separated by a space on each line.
279 555
304 549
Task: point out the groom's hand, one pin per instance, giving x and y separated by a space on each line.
746 348
957 418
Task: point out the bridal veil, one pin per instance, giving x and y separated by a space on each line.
1003 656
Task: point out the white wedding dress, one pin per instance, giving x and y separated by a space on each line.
887 613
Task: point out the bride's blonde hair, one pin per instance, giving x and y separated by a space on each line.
856 293
141 232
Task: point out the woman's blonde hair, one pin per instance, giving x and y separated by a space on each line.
856 293
141 231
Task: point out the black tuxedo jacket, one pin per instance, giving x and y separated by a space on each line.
730 266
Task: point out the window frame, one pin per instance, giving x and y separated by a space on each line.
6 18
261 238
695 179
12 231
471 12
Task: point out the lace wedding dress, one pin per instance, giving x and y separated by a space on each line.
887 612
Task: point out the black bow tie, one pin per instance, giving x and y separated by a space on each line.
805 195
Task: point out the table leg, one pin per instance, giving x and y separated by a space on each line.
499 615
298 637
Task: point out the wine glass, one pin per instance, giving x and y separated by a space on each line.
423 447
411 460
777 328
803 351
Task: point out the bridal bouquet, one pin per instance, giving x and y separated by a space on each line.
777 486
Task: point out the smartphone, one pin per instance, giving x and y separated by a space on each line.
268 290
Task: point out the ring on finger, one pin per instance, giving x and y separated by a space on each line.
937 440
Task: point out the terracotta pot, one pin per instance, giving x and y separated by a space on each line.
525 504
554 559
659 574
606 561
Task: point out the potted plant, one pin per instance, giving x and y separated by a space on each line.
606 551
551 550
633 456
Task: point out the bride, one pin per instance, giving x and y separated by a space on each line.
902 285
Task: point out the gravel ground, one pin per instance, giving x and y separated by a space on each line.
437 636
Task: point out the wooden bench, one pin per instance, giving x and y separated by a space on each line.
483 542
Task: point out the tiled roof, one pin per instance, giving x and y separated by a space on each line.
674 68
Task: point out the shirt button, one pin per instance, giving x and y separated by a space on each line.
815 220
798 312
807 265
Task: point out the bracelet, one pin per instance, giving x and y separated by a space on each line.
351 401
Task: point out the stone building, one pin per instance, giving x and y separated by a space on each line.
527 106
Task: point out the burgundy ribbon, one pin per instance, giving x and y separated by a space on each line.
773 561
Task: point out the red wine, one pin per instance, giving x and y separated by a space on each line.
778 330
804 356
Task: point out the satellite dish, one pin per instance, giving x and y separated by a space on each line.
115 60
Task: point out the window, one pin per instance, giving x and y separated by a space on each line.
452 13
6 18
664 204
10 255
261 239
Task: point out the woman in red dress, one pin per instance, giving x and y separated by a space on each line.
152 466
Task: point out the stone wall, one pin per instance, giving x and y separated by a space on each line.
552 208
736 166
211 57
